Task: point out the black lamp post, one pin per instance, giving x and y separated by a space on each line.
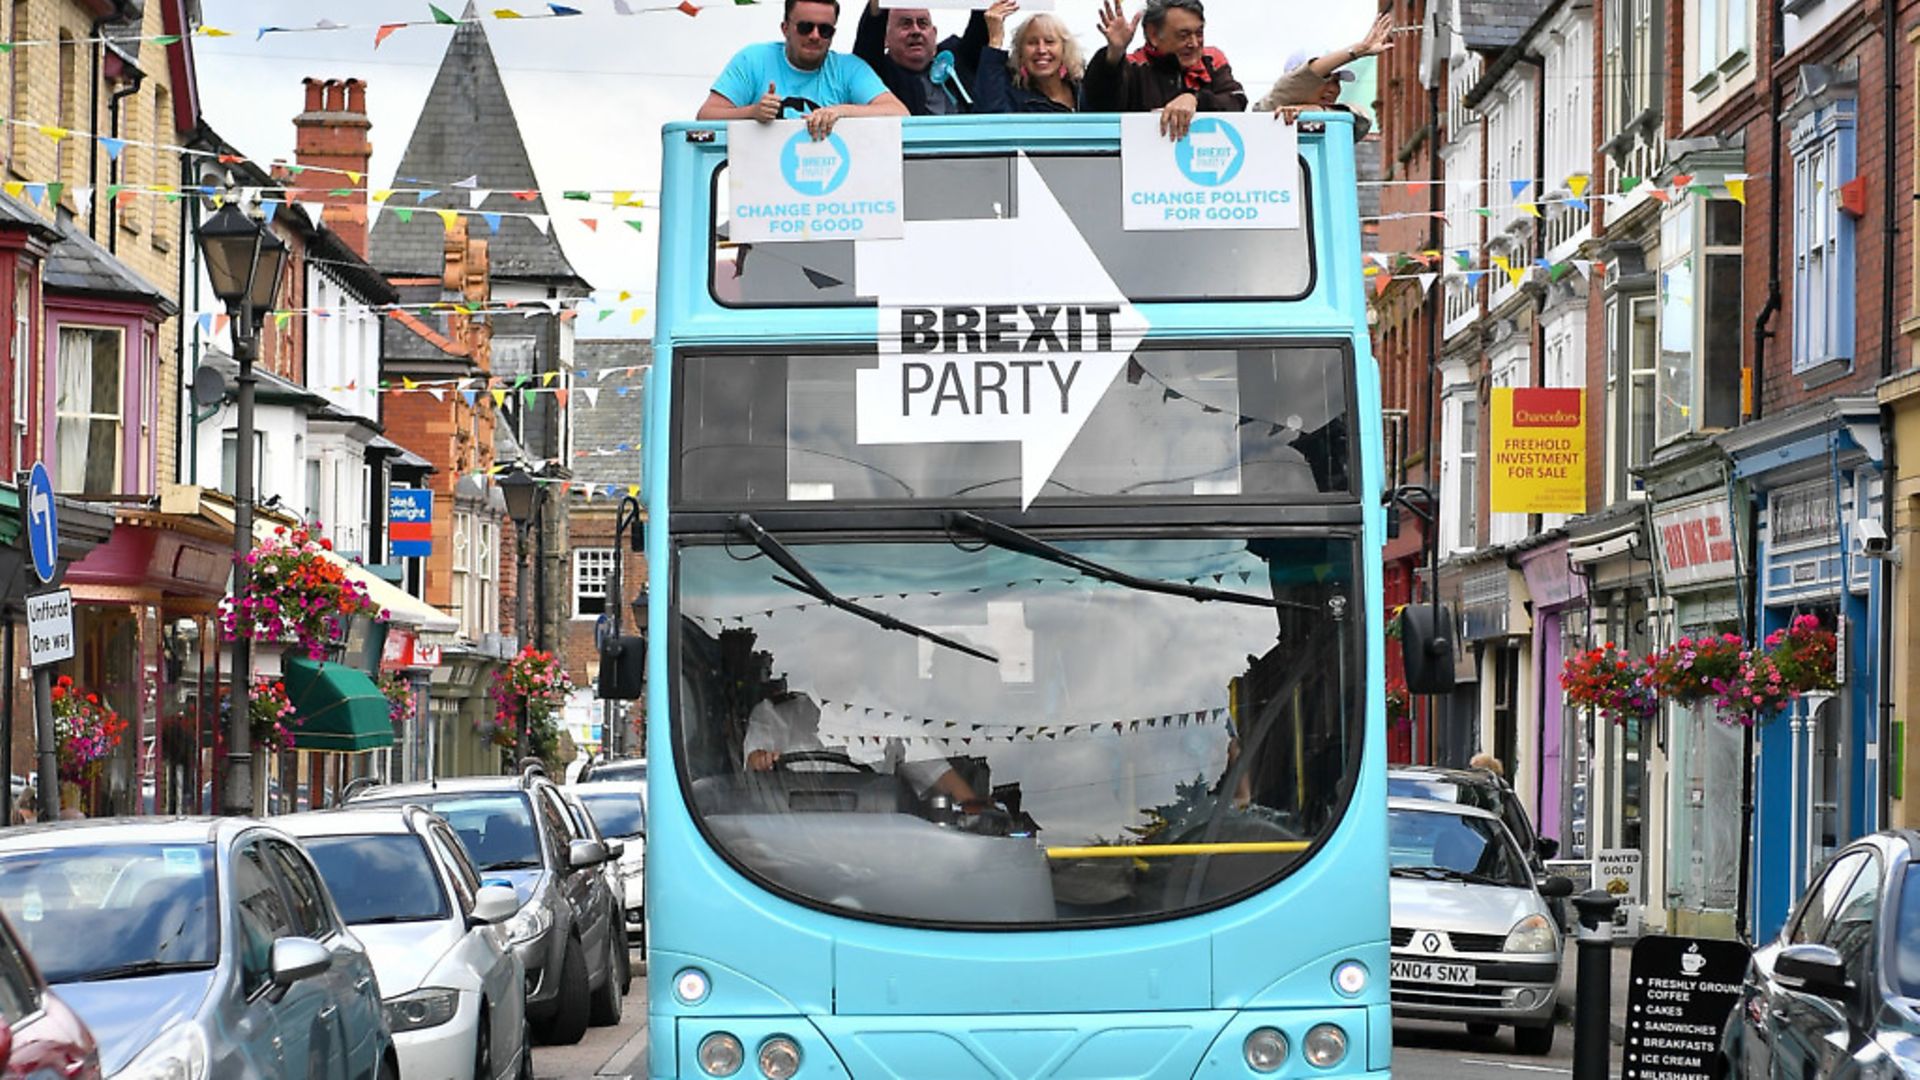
524 500
243 260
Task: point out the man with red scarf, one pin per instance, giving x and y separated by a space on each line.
1176 74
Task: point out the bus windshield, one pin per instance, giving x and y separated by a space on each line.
1098 752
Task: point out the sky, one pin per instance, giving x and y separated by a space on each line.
592 92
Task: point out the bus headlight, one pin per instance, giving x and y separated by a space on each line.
1350 978
779 1058
690 986
1265 1049
1326 1046
721 1054
1533 934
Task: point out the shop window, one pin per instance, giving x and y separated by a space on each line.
1822 239
88 416
592 571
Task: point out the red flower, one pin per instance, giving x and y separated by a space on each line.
93 699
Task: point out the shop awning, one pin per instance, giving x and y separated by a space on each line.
338 708
401 606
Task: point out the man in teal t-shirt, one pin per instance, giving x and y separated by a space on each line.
803 71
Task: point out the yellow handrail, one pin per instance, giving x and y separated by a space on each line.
1123 851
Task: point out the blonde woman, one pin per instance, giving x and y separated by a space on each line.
1039 73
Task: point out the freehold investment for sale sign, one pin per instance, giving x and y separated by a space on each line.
1538 452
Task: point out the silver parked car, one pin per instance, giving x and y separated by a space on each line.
450 978
619 808
1473 937
196 948
519 833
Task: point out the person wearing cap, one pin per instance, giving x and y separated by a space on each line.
1176 74
1317 81
899 44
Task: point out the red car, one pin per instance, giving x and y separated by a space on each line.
40 1036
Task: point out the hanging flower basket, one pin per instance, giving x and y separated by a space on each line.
399 696
295 594
537 677
1757 693
270 716
1805 655
1609 680
1399 702
1694 670
85 730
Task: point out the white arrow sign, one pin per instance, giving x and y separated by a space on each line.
979 343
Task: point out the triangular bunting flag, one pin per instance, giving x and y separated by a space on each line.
1737 190
1577 183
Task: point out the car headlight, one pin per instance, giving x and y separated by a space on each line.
180 1053
1533 934
532 920
421 1009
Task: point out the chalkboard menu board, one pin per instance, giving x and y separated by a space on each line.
1679 997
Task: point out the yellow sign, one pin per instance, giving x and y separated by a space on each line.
1538 452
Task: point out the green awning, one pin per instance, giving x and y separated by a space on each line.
338 708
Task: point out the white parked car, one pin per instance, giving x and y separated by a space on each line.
619 810
453 988
1473 938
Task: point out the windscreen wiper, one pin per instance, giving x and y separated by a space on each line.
772 548
1012 539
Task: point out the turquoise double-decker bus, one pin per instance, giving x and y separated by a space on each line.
1014 656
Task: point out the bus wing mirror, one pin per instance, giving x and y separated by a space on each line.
623 669
1426 639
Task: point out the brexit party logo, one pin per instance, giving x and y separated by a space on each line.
1211 154
813 167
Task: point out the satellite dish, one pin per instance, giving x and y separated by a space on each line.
209 386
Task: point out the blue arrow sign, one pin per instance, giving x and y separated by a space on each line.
43 530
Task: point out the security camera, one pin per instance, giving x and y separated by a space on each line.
1870 539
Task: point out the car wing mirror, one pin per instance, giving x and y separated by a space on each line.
582 854
1547 847
493 904
616 848
1555 887
1813 969
297 958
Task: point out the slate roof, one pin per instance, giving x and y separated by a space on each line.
468 129
616 419
78 264
1494 25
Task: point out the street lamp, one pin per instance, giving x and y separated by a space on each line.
243 260
523 494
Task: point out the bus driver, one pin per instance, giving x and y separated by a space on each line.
786 721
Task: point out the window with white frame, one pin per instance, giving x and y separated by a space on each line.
463 583
1459 466
88 409
592 576
1673 409
1509 371
1822 238
1632 351
230 459
1630 59
24 361
487 574
1720 40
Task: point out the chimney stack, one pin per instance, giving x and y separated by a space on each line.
331 135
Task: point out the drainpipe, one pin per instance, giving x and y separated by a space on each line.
131 88
1889 567
1776 47
93 119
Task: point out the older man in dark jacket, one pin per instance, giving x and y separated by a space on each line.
899 45
1175 74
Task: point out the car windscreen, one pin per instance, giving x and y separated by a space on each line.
618 813
1906 939
113 911
496 827
1053 755
379 879
1442 844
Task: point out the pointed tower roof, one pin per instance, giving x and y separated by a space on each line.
468 129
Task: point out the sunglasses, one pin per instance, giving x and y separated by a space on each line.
808 29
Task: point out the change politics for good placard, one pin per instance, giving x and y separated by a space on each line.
785 185
1229 172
